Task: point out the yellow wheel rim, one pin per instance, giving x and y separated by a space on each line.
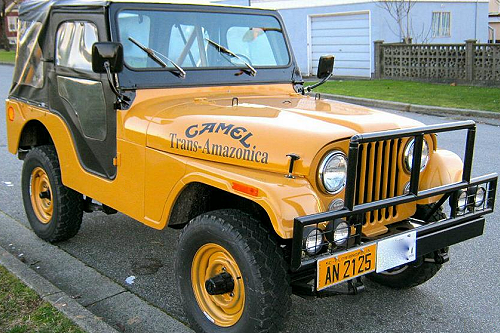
41 195
210 260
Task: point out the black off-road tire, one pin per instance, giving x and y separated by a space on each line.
67 204
417 272
423 210
260 260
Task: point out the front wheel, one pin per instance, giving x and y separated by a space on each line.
414 273
232 275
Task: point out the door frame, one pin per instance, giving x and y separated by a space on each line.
106 149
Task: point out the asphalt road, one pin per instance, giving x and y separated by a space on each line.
463 297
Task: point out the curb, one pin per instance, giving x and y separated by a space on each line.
7 64
79 315
424 109
96 303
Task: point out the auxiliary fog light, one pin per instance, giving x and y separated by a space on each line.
314 241
462 201
480 196
341 233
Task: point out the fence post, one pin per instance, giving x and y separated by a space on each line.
378 59
470 47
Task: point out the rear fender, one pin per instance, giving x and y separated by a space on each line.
23 113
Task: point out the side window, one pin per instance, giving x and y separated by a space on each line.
29 67
74 45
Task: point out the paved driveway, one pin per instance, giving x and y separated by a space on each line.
463 297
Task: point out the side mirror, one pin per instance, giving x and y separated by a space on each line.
110 52
325 71
325 67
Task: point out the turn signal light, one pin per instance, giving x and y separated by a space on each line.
10 113
253 191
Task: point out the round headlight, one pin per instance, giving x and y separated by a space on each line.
341 233
406 189
314 241
462 201
408 155
480 196
333 172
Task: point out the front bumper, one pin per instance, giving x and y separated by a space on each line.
430 237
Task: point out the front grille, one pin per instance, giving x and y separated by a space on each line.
378 177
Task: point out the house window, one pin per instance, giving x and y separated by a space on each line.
12 22
441 22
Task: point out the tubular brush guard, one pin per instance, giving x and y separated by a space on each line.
460 226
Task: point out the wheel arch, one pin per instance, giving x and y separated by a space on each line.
34 133
276 199
197 198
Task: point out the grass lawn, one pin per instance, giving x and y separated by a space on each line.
7 56
464 97
22 310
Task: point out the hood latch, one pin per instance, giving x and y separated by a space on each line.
293 158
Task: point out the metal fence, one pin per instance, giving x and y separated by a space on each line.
470 63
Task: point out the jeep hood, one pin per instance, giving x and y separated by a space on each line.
258 132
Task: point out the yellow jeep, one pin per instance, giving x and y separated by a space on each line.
196 117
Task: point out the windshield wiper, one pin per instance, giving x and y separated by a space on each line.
153 55
222 49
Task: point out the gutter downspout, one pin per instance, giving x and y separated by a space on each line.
494 34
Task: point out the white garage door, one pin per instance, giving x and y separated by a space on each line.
347 37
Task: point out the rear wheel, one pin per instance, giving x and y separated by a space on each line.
232 275
417 272
53 210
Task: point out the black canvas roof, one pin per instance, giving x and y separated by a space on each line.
37 10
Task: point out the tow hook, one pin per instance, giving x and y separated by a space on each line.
305 290
220 284
355 286
441 256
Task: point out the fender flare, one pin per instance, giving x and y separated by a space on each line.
282 198
445 167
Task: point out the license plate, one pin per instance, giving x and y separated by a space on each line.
346 266
396 251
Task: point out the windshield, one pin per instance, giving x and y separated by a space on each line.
185 38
